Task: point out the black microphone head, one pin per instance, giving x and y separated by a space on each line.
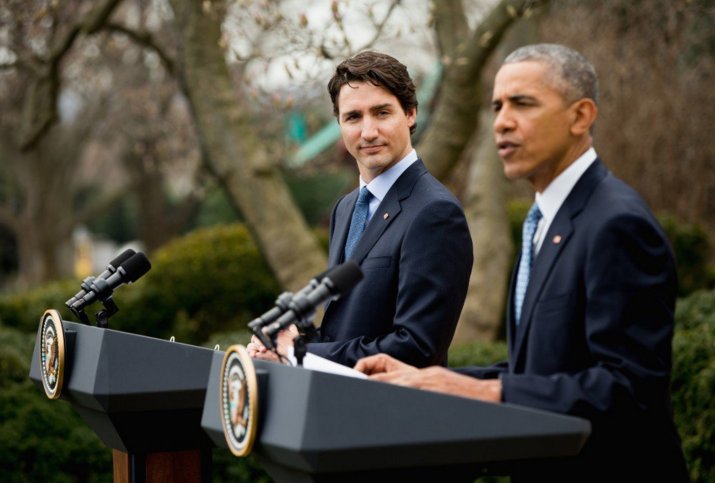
121 258
136 266
344 277
322 275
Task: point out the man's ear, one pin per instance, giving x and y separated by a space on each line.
411 116
584 112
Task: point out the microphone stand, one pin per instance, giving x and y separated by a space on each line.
306 333
299 349
110 308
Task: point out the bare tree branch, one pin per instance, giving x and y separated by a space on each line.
381 26
40 108
455 119
451 27
144 39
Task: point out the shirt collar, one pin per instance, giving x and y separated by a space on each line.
551 199
384 181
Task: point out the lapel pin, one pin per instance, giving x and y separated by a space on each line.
385 216
556 239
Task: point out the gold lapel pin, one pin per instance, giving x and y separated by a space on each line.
556 239
385 216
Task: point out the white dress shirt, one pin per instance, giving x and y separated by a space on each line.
551 199
384 181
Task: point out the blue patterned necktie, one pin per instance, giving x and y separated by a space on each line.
527 258
357 223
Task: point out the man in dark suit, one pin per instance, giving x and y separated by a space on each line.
407 232
590 319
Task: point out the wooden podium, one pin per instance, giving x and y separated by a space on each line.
143 397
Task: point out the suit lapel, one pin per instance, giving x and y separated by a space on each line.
559 234
388 211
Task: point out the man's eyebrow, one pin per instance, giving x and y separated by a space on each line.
514 99
380 107
520 98
349 113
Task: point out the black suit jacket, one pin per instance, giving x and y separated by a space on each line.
416 256
595 336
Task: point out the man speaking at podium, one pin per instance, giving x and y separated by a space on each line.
407 232
590 314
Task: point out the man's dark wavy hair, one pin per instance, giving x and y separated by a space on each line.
378 69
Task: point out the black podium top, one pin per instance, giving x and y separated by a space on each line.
316 422
139 394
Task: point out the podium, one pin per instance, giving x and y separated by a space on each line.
157 404
320 427
143 397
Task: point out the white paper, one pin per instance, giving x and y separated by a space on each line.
317 363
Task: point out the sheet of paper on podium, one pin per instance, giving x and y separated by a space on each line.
317 363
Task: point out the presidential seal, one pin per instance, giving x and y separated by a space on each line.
52 353
239 400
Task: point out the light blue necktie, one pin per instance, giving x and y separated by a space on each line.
527 258
357 223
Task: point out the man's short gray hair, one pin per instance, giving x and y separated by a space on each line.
574 76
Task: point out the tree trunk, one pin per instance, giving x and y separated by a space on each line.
486 210
454 121
485 207
233 153
45 216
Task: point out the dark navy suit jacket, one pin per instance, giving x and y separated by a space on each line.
595 336
416 256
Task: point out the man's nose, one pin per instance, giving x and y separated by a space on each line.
503 121
369 128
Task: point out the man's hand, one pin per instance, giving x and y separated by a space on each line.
381 363
284 340
382 367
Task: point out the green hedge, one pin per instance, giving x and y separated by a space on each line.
477 354
212 280
203 288
23 310
41 440
694 382
691 248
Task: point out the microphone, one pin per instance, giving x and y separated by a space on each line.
111 268
336 282
282 304
100 289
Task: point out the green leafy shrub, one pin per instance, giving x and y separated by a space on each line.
477 353
42 440
691 249
24 310
213 279
694 382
